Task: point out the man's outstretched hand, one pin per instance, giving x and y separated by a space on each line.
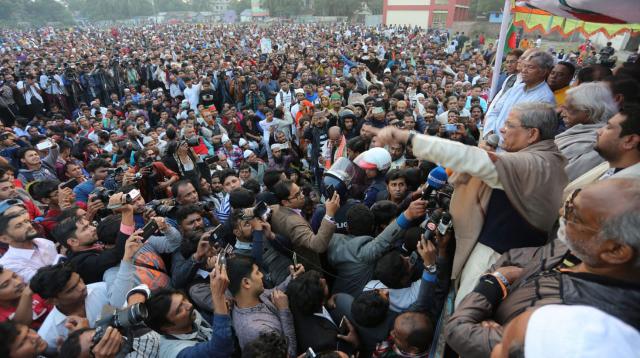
387 135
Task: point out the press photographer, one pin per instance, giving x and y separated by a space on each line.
152 177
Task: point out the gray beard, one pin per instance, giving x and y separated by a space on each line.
562 232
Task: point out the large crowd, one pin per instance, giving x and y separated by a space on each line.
279 191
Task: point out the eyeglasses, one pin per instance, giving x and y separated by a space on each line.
297 195
6 204
509 125
569 211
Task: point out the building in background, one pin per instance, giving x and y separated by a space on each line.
425 13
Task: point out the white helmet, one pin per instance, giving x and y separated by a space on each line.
374 158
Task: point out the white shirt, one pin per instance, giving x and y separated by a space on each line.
53 326
25 262
294 110
517 94
30 92
103 110
284 98
325 314
192 94
55 87
399 298
174 90
265 128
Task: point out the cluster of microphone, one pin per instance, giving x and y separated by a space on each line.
438 196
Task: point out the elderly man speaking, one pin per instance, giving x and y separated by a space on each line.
507 200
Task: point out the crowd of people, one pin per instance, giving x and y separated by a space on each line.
325 191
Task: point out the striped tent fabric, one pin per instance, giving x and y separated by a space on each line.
585 16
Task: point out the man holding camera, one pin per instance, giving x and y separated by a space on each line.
99 170
80 238
32 94
53 87
62 286
255 239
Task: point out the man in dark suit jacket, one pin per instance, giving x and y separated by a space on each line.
317 326
287 220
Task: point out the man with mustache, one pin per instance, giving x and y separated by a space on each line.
594 262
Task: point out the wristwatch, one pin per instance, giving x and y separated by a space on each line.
431 268
330 219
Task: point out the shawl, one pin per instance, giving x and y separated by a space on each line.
576 144
533 180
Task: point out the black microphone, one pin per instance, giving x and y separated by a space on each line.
431 225
445 223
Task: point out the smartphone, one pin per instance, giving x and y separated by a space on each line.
450 128
262 211
149 229
213 236
330 190
44 145
72 183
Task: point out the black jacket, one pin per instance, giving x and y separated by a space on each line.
91 264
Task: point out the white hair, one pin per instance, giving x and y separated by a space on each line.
595 98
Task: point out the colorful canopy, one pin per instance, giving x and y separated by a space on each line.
585 16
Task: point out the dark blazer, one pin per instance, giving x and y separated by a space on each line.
319 333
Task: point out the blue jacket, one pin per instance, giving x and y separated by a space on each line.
221 342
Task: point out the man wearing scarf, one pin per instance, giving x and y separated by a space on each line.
501 200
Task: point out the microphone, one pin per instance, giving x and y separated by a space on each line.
445 223
493 140
431 224
437 179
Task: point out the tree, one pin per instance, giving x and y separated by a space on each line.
481 6
240 5
35 12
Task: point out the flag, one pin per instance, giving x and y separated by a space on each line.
510 44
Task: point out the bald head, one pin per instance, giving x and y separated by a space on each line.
611 197
412 332
335 132
601 228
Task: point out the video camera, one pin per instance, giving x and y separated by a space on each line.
193 141
163 207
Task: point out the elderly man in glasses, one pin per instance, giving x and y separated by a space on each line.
27 252
595 262
502 200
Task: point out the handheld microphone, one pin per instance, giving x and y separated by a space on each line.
437 179
445 223
493 140
432 224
